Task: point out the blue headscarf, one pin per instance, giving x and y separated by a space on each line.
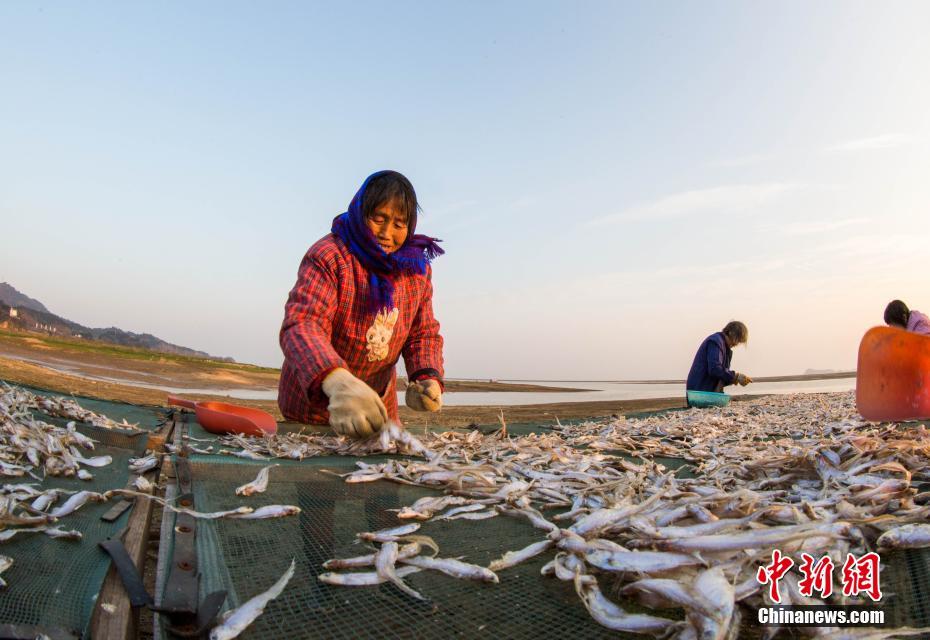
413 256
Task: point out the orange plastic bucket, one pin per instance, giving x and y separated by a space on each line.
893 375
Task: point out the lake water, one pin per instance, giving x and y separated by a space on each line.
628 391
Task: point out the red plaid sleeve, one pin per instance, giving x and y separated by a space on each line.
423 347
306 333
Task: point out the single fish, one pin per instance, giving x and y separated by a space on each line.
664 593
647 562
612 616
259 485
387 535
99 461
77 501
235 622
451 513
44 501
245 453
143 484
5 563
754 539
270 511
362 579
52 532
481 515
909 536
513 558
453 567
385 560
406 551
141 465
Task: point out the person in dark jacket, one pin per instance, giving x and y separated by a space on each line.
710 370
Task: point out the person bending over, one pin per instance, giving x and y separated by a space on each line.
363 299
710 370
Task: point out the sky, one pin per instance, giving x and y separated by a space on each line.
612 181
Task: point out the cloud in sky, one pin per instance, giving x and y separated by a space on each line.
699 201
813 228
884 141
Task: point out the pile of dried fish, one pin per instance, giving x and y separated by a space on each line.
799 473
29 445
14 399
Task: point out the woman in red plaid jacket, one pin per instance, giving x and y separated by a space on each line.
363 298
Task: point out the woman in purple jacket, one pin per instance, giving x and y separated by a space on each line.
898 315
710 370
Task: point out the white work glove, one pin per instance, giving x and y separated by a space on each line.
425 395
355 410
742 379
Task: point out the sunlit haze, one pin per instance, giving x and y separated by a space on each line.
612 181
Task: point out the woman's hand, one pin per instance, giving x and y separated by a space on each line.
425 395
742 379
355 410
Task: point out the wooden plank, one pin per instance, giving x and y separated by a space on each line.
113 617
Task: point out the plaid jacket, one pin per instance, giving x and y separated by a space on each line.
327 325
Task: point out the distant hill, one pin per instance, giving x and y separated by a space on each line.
10 296
20 312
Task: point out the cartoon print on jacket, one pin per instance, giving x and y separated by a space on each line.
379 334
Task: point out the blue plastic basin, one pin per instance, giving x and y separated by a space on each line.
702 399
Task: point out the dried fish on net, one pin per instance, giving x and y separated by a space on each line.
801 473
12 398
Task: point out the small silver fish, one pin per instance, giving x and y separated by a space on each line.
909 536
406 551
5 563
77 501
269 511
99 461
362 579
142 484
513 558
387 535
259 485
647 562
235 621
385 560
454 568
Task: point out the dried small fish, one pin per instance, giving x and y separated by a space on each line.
909 536
143 484
77 501
363 579
5 563
269 511
259 485
141 465
406 551
235 622
388 535
385 560
453 567
513 558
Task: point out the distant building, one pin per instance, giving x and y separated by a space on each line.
14 313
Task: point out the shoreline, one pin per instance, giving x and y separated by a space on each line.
25 373
90 369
